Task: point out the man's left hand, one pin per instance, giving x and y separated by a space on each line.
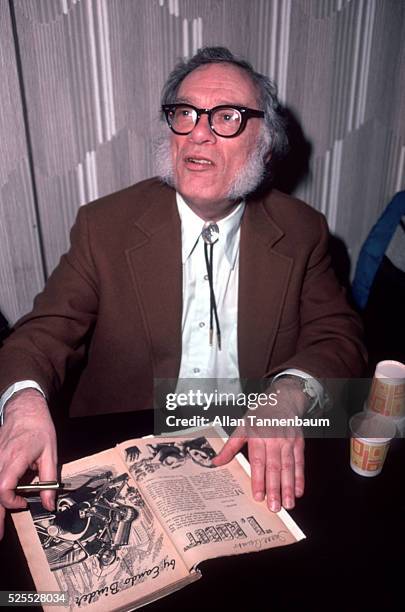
276 454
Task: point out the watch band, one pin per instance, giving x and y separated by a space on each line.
307 388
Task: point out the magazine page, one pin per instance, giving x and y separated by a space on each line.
102 545
208 511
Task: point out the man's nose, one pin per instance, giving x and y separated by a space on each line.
202 131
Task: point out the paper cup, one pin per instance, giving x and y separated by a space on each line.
387 394
399 422
370 439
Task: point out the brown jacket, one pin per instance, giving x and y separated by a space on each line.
115 301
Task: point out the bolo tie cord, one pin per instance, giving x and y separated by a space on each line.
213 304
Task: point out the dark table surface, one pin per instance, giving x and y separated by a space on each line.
351 560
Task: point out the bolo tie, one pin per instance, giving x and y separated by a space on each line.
210 234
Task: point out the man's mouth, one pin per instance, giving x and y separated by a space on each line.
199 161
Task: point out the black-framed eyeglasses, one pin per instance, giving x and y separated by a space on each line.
225 121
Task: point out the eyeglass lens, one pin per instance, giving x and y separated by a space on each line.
224 121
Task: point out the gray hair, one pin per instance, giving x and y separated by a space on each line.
274 117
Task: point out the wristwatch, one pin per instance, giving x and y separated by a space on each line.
307 388
309 392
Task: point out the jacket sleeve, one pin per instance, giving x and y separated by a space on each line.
329 342
374 248
53 335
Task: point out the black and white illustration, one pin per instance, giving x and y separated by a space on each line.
169 454
102 532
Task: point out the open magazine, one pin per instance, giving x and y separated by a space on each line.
139 518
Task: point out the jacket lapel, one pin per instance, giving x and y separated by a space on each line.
264 275
155 265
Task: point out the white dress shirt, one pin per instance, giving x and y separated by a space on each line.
198 358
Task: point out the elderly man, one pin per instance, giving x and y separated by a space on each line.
186 277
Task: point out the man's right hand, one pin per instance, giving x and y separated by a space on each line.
27 441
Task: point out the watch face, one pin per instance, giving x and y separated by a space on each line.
308 390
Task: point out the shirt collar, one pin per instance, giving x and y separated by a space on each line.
192 225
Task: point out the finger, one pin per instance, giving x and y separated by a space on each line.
287 475
2 518
47 470
273 478
8 481
230 448
257 460
299 461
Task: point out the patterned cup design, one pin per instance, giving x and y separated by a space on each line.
387 394
371 434
367 458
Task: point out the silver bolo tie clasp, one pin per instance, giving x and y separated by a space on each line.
210 235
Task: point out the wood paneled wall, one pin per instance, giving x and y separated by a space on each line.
79 100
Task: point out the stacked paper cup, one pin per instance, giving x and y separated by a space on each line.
382 419
371 435
387 393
